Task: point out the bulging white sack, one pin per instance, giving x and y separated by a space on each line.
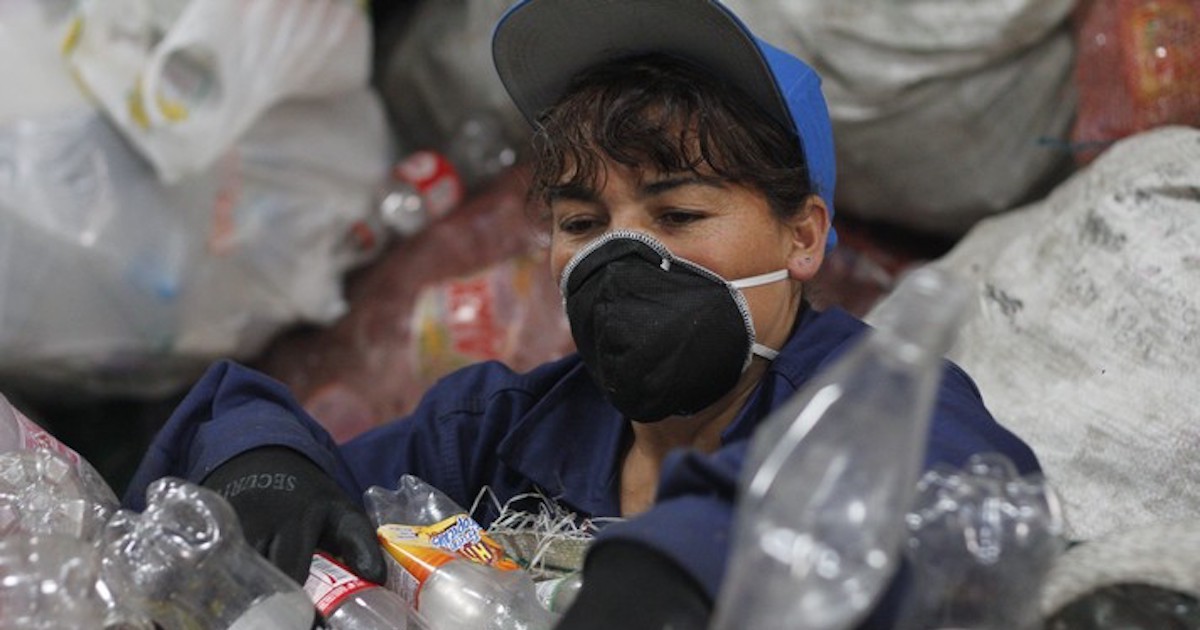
941 110
1086 336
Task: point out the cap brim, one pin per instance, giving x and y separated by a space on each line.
540 45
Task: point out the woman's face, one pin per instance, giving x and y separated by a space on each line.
727 228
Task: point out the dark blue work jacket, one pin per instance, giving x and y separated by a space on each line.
550 430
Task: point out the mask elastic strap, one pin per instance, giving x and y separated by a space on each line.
761 279
754 281
764 351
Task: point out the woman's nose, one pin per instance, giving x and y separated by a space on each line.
629 219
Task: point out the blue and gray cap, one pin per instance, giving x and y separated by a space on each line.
540 45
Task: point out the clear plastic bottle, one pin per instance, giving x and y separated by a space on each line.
48 583
349 602
18 432
184 561
982 540
42 494
435 518
427 185
831 474
441 561
53 509
558 593
466 595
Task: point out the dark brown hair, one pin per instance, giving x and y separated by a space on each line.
665 114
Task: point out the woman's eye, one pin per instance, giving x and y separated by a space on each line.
577 225
678 217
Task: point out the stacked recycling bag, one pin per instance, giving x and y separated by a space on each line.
181 180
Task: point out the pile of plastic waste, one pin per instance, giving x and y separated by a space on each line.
71 558
163 199
825 521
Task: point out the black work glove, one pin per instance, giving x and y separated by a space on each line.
633 587
289 507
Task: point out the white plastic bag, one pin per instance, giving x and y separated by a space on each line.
1086 337
112 282
184 79
115 282
940 108
31 68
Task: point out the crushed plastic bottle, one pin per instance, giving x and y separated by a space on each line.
982 540
427 185
185 562
48 583
415 503
830 475
348 602
18 432
42 494
53 510
441 561
557 594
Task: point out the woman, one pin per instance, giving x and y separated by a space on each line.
686 171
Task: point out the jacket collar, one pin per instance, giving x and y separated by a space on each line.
567 441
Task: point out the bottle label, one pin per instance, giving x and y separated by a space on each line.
32 436
434 177
418 551
329 583
460 533
414 559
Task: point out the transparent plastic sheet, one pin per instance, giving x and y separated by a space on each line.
940 109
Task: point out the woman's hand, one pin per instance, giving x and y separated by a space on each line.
289 507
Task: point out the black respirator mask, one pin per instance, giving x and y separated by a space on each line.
659 334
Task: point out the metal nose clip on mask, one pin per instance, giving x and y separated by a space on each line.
659 334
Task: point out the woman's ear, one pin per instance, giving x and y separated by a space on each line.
809 230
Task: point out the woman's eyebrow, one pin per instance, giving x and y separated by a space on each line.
667 184
570 192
